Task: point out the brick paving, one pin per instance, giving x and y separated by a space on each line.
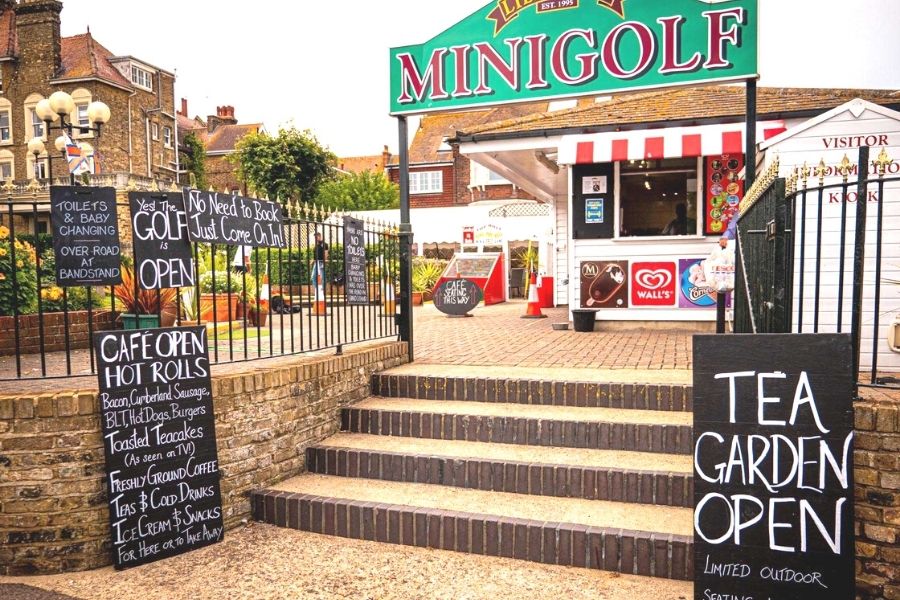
497 336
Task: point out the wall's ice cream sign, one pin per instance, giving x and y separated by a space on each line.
520 50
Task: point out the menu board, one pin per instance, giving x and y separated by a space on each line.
724 191
355 286
85 236
159 436
604 284
162 252
773 467
471 266
227 219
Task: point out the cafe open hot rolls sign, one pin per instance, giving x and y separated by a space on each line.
521 50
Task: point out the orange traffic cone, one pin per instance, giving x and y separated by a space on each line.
534 305
319 303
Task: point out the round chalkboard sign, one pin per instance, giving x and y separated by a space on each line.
457 296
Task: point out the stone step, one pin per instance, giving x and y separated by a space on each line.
563 472
548 392
560 426
627 538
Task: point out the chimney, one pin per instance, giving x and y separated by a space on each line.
37 27
184 108
224 116
385 157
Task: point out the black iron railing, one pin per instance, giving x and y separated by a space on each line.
270 308
806 266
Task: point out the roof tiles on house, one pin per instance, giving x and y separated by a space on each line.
435 128
683 105
82 57
225 137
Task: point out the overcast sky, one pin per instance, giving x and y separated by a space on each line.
324 65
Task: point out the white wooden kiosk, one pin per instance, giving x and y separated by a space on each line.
829 137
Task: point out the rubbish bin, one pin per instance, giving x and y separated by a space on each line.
583 319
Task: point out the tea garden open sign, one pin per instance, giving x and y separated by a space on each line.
525 50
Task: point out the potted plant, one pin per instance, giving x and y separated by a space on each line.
425 275
144 308
258 312
220 293
192 306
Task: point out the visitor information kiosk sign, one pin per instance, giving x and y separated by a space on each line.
526 50
773 467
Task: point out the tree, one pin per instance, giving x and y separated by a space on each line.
194 160
360 191
291 165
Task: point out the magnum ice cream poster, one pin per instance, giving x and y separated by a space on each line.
604 284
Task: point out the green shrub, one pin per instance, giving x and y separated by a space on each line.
18 279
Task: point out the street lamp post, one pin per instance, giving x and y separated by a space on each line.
56 109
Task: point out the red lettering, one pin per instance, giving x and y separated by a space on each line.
671 48
537 45
646 41
433 77
461 55
588 61
719 37
508 71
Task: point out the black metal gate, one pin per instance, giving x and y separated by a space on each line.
795 277
764 275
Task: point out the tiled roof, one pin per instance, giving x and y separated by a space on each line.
426 146
187 124
224 138
683 104
360 164
82 57
9 43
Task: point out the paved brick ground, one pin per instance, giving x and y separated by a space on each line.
498 336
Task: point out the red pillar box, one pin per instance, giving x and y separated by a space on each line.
545 292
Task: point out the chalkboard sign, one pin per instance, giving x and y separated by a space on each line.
472 266
457 296
773 467
162 469
162 252
355 285
85 236
226 219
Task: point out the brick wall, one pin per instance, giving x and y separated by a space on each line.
53 505
877 491
222 175
54 331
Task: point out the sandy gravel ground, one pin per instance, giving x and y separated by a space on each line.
265 562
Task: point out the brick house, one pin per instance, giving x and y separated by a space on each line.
220 133
36 61
440 176
377 163
137 148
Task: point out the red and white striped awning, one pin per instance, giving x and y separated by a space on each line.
672 142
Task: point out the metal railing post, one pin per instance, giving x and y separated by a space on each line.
406 309
859 257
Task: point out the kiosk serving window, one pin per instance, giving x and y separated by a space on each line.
658 197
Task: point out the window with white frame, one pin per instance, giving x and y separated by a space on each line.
38 169
5 125
167 136
81 116
6 169
154 130
37 126
426 182
141 77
